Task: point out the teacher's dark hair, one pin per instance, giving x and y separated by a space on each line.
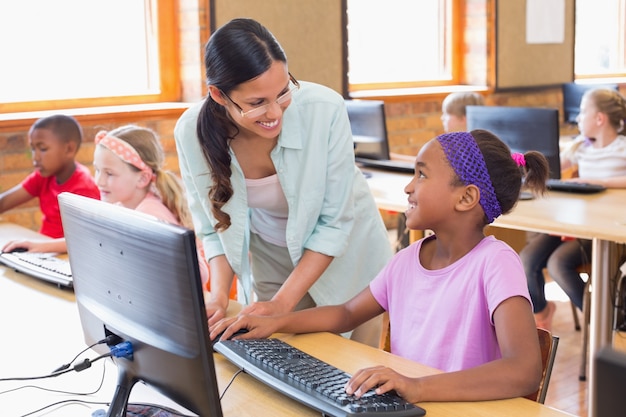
237 52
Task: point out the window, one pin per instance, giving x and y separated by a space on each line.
419 31
600 48
77 53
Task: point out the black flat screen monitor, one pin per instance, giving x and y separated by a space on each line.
522 129
610 383
573 94
369 129
138 278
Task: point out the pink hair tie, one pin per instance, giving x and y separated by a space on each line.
124 151
519 159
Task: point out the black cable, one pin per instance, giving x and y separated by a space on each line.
121 350
109 339
60 391
230 382
106 404
69 401
79 367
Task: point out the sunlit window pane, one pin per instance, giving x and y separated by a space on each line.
66 49
600 33
398 41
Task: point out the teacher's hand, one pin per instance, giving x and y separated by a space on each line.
265 308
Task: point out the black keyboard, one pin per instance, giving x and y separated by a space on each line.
44 266
573 187
387 164
309 380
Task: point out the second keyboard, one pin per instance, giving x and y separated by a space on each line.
44 266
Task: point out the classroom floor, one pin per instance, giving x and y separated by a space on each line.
565 391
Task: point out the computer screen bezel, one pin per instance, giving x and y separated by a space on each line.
522 129
572 95
138 278
369 128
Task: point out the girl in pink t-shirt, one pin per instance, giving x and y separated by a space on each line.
457 300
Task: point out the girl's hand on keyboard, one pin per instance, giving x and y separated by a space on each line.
39 246
382 380
17 246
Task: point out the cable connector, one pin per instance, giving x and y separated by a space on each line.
82 365
111 340
122 350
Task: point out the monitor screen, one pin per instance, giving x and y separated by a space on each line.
610 383
369 129
137 278
522 129
573 93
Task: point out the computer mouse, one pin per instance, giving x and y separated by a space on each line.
237 333
19 250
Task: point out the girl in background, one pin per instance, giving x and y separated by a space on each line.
597 156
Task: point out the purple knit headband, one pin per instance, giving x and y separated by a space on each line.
468 163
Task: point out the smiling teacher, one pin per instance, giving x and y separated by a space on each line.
268 164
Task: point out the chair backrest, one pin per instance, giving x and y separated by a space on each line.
548 344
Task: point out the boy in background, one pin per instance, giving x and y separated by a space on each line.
54 142
453 107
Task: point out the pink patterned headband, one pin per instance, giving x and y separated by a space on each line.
123 150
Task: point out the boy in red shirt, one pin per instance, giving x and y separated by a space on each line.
54 141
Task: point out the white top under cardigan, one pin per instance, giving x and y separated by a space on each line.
331 209
269 210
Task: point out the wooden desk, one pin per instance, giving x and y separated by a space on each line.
600 218
41 330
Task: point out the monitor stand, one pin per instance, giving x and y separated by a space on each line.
119 403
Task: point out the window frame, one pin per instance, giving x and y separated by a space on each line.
169 70
455 56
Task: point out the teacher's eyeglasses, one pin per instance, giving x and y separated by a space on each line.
262 109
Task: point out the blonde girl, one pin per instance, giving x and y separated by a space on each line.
597 156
